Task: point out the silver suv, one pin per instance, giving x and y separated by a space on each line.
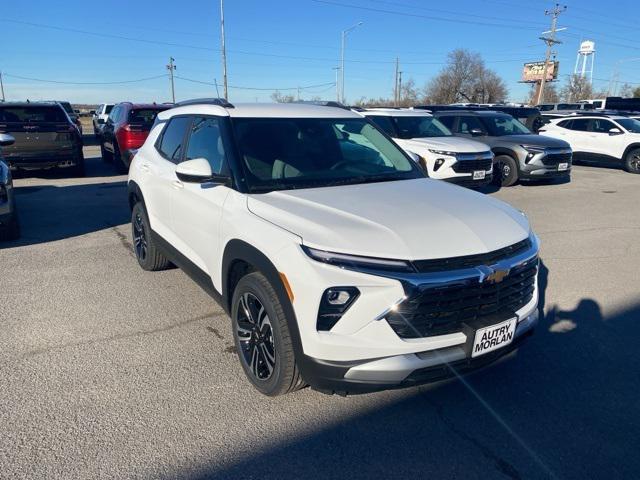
519 153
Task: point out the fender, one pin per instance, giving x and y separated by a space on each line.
628 149
240 250
134 194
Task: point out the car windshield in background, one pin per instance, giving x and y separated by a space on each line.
67 107
108 109
289 153
501 125
419 127
35 114
630 124
143 115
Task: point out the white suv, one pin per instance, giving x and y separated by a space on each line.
340 264
613 138
100 117
441 155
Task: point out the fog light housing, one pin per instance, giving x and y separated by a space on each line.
439 163
334 304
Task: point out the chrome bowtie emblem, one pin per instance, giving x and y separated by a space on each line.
490 275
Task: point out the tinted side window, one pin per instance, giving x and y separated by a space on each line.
448 121
469 123
384 123
565 124
601 125
205 141
580 124
172 141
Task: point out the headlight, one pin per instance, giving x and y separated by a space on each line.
532 151
444 152
357 262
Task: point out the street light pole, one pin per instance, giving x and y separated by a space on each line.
224 52
337 69
343 37
171 67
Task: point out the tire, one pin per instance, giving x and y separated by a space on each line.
506 170
632 161
144 248
117 160
262 337
78 170
106 156
11 231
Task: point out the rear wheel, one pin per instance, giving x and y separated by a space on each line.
632 161
10 230
106 156
506 170
118 161
146 251
262 337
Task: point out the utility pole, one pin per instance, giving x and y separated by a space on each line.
343 37
395 84
171 67
399 87
337 69
298 92
550 41
224 52
1 87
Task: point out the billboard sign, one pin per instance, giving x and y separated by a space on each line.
532 72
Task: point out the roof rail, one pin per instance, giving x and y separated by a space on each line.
323 103
221 102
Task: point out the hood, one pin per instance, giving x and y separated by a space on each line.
454 144
538 140
409 219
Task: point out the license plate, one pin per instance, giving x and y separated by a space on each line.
563 166
479 175
493 337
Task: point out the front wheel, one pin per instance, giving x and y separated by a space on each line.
262 337
632 161
506 170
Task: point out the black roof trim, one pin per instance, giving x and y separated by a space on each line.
221 102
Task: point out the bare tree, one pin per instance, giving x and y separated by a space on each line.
466 78
577 88
409 94
550 94
636 93
626 91
280 98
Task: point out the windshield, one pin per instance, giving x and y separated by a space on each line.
630 124
288 153
144 115
32 114
501 125
419 127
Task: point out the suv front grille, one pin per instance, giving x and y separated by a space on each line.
443 309
469 166
556 158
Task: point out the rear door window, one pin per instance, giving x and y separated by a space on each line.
448 121
172 140
580 125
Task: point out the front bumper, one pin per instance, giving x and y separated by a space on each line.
546 165
408 370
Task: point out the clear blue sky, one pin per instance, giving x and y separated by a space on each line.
289 43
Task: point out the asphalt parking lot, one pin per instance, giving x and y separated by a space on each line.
107 371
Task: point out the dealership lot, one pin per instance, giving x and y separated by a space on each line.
110 371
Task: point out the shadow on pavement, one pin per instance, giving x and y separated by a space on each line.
564 407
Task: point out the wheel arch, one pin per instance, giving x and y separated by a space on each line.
628 149
134 194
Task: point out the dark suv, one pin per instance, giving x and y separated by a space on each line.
519 153
125 131
45 137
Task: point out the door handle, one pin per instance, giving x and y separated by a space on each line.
177 184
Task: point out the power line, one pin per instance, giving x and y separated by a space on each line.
84 83
328 84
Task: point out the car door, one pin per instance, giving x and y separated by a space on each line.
158 173
578 135
602 142
197 207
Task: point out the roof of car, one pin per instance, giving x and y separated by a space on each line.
163 106
484 113
395 112
43 103
264 110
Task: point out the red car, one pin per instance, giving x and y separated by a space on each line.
125 130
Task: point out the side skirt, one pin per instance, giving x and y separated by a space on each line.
187 266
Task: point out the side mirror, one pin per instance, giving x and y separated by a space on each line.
476 132
6 140
615 131
199 170
101 121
